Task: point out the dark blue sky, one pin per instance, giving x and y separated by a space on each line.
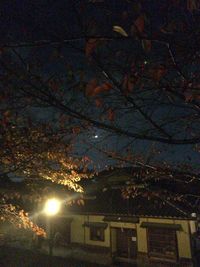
23 21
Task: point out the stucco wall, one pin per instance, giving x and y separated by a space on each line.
122 225
77 229
81 234
113 240
141 239
183 239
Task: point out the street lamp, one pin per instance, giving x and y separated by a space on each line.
51 208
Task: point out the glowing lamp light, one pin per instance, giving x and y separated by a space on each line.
52 206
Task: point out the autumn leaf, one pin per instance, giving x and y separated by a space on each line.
62 120
6 118
146 44
6 114
86 159
158 72
111 114
90 47
90 87
126 85
129 83
76 130
6 160
120 30
98 102
192 5
140 23
80 202
102 88
188 96
54 85
169 28
106 86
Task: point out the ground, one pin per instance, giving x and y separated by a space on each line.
15 257
18 257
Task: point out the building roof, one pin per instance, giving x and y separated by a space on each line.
107 199
112 203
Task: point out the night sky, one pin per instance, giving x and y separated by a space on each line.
27 21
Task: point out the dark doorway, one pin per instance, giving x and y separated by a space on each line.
62 231
126 243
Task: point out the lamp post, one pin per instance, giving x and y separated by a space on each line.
51 208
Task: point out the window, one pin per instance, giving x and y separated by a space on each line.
97 233
162 243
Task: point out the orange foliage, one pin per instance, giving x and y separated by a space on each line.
111 114
91 45
92 84
192 5
158 72
146 44
139 23
93 89
38 160
19 218
98 102
129 83
76 130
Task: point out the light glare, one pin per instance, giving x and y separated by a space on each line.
52 206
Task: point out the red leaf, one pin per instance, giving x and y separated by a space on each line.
54 85
76 130
158 72
6 114
102 88
129 83
139 23
86 158
80 202
111 114
97 90
106 86
188 96
91 45
91 87
192 5
99 102
62 120
146 44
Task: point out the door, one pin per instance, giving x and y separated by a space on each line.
126 243
62 231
